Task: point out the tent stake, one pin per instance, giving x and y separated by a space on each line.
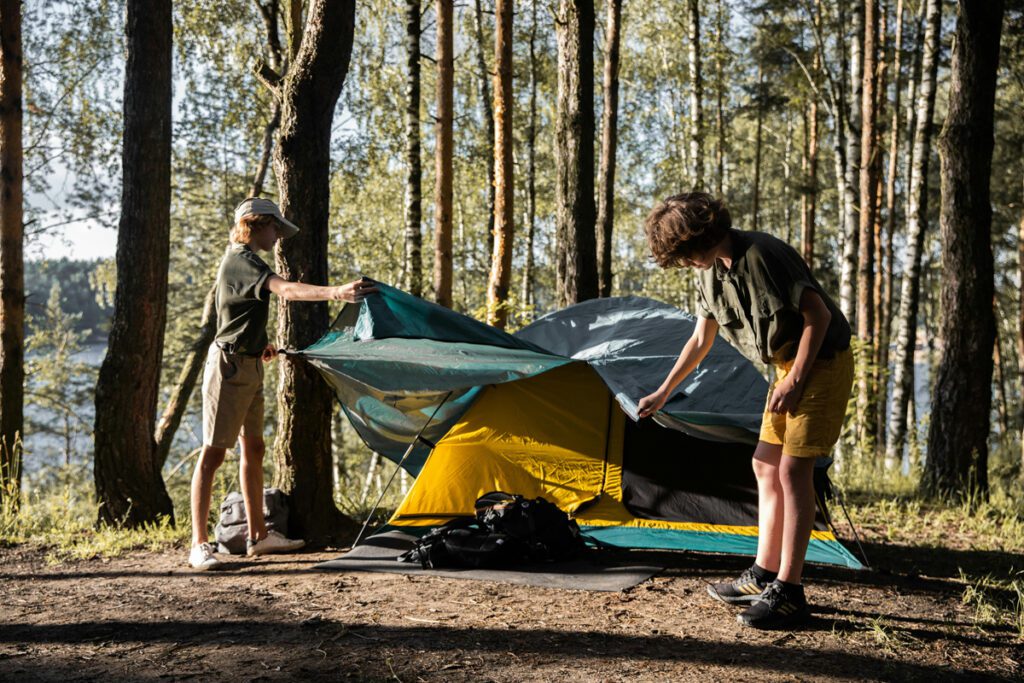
401 462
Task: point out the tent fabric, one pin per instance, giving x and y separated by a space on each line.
632 343
560 435
544 413
394 358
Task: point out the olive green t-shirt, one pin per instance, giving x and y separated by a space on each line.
242 302
756 302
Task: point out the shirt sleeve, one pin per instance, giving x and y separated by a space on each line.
252 275
703 309
779 277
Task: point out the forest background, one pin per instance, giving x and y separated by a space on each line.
763 103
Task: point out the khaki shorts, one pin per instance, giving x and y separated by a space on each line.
232 397
814 428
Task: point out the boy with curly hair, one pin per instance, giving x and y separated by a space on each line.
759 294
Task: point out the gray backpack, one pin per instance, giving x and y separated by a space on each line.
231 531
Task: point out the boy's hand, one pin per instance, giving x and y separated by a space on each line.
268 354
354 291
651 403
786 396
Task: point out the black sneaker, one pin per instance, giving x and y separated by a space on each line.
778 606
746 589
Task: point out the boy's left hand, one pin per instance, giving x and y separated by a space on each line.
786 396
268 354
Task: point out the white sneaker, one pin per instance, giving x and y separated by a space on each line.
202 558
275 542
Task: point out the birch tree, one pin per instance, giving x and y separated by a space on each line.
917 217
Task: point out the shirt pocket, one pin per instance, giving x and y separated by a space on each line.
727 316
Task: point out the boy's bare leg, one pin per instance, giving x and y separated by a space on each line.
210 459
250 471
770 505
797 478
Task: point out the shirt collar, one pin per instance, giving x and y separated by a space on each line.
740 243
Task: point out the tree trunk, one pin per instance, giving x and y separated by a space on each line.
848 269
488 114
501 260
1000 380
809 197
883 245
757 147
696 96
1020 322
309 93
917 218
295 27
720 28
443 155
129 486
957 462
12 261
177 404
865 238
414 170
576 261
609 138
531 162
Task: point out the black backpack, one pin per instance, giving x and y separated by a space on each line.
507 530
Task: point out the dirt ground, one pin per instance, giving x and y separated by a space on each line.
146 616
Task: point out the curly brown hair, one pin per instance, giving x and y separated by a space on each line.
241 232
684 225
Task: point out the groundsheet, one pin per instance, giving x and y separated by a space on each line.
379 553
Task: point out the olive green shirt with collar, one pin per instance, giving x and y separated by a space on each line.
756 302
243 303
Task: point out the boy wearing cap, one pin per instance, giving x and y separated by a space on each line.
233 377
759 293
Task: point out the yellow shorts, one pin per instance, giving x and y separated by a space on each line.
232 398
813 429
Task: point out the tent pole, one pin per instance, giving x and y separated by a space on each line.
408 451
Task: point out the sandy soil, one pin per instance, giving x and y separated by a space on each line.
146 616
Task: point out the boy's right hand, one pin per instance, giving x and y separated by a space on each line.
354 292
651 403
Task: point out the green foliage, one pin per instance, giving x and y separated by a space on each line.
59 385
82 292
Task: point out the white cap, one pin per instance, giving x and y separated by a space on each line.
258 206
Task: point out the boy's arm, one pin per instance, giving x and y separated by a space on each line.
816 321
353 292
693 353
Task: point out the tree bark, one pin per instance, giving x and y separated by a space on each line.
720 28
576 261
696 96
917 218
309 93
414 170
957 463
488 113
609 140
756 223
1020 321
129 485
501 260
12 260
531 162
865 239
809 197
443 155
848 269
